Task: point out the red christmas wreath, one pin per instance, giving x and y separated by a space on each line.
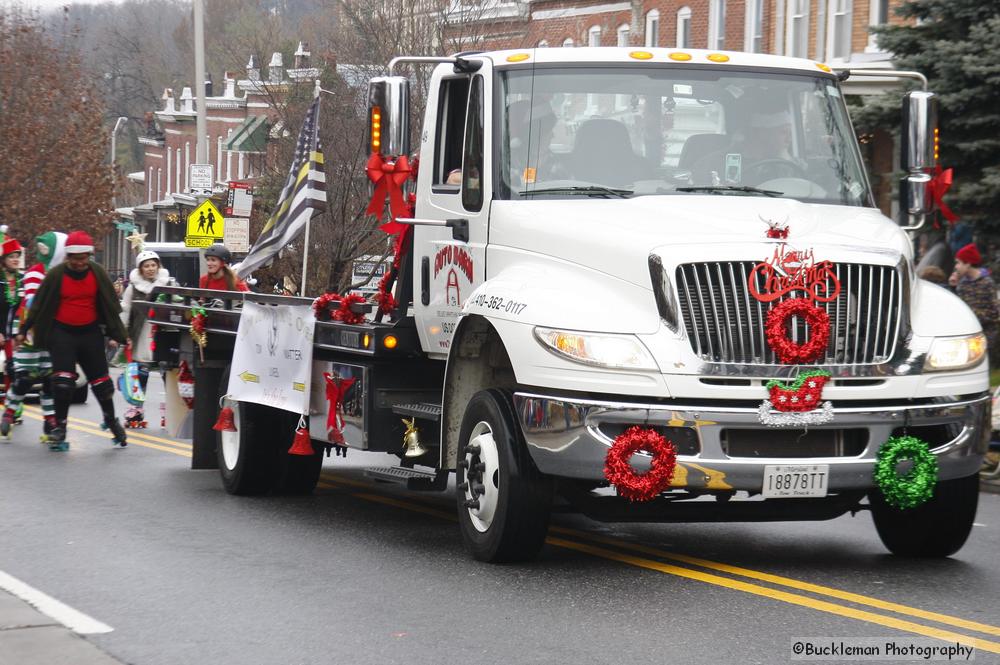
634 486
776 329
345 314
322 305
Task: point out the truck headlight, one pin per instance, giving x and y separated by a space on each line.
955 352
604 350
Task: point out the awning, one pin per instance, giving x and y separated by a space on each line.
250 136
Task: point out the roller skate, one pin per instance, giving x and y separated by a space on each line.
57 439
48 425
18 413
7 421
118 437
135 419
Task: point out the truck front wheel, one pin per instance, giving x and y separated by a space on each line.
504 502
246 456
937 528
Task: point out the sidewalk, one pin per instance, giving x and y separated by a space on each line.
28 637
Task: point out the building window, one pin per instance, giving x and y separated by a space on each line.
652 28
754 37
159 184
623 35
878 14
717 24
568 42
684 27
543 44
594 36
838 46
797 29
170 170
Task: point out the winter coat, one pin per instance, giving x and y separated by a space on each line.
140 289
42 314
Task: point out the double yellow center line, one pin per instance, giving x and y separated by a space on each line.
766 585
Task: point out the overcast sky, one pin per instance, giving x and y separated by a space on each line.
43 4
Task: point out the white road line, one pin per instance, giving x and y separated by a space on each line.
73 619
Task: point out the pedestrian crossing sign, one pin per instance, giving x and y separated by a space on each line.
205 226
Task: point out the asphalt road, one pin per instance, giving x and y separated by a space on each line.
368 573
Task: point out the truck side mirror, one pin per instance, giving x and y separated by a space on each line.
918 157
389 116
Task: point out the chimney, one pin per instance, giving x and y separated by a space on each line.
302 56
230 82
253 69
187 100
150 123
275 70
168 101
208 85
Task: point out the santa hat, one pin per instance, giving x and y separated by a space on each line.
10 246
969 254
79 242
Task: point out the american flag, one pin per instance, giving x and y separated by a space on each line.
303 195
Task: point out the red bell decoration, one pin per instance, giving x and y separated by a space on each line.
301 445
225 421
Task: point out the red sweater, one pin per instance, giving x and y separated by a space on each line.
78 300
219 283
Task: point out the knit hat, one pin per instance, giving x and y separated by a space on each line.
51 248
969 254
79 242
10 246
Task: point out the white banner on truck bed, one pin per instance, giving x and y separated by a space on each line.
272 363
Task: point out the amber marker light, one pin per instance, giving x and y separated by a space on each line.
680 57
718 57
366 340
825 68
641 55
518 57
376 128
390 342
937 143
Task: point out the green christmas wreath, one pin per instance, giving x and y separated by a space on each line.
914 487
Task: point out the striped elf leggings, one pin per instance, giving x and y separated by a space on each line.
31 366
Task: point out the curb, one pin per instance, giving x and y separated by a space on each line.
28 637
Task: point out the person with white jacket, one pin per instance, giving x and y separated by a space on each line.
148 275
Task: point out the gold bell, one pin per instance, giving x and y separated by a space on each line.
411 439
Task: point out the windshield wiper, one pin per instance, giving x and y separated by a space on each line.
730 188
589 190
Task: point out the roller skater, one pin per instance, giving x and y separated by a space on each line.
74 309
13 294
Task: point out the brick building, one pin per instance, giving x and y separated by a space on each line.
240 122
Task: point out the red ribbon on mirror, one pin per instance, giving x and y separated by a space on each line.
938 187
388 178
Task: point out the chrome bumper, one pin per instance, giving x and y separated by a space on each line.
564 439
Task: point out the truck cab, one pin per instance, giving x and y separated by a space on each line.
599 237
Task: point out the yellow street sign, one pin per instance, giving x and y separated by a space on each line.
205 226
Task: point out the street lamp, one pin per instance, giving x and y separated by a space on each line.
114 199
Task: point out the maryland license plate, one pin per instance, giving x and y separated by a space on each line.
794 481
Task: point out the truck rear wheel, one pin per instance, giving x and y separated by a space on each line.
504 502
246 456
938 528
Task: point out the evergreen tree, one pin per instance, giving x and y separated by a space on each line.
954 43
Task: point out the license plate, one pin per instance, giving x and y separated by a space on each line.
794 481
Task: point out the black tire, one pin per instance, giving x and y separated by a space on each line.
80 395
938 528
519 495
252 464
297 474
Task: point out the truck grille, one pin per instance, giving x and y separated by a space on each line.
726 324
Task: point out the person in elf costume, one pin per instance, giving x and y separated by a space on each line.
73 311
13 292
32 364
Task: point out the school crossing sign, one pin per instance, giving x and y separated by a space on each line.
205 226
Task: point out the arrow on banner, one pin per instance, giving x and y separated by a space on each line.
249 378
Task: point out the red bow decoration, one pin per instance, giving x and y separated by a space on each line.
388 178
938 187
336 388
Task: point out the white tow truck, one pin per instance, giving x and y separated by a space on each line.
598 239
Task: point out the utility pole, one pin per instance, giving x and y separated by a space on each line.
201 154
123 264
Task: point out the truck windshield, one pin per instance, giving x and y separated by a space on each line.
568 132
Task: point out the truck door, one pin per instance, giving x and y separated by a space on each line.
456 148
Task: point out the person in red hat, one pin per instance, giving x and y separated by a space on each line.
13 293
974 285
72 312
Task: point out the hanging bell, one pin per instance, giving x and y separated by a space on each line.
301 445
411 439
225 423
